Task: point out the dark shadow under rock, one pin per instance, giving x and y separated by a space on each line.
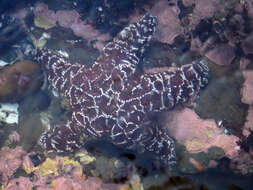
221 99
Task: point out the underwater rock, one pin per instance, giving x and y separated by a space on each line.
247 89
60 183
207 8
199 166
29 124
176 182
18 80
12 32
248 125
136 183
56 166
61 173
248 5
20 13
169 24
31 161
21 183
203 47
244 62
247 44
87 32
92 183
196 44
201 11
27 163
71 19
188 3
14 137
246 143
41 101
198 135
66 18
35 102
243 163
221 100
110 168
223 54
44 18
84 158
10 161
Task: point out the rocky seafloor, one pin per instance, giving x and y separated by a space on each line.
213 132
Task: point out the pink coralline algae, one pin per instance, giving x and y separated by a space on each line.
244 62
111 99
222 54
10 161
247 89
198 135
248 126
207 8
188 3
69 19
169 24
14 137
202 48
60 183
248 4
247 98
243 163
247 45
21 183
60 173
63 183
203 9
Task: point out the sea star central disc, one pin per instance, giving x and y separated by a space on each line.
112 100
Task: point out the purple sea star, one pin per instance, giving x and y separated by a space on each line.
113 100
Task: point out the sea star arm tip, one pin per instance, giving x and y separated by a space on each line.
130 43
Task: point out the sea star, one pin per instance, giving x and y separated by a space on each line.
113 100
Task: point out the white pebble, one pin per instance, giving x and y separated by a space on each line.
3 63
9 113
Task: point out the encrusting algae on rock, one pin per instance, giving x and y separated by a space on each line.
51 166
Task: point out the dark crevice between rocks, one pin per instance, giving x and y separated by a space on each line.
221 99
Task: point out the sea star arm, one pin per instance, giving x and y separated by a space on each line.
155 92
144 135
63 137
65 76
70 135
128 46
177 85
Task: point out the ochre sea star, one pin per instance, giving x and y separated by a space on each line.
113 100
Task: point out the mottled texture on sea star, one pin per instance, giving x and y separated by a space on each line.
113 100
